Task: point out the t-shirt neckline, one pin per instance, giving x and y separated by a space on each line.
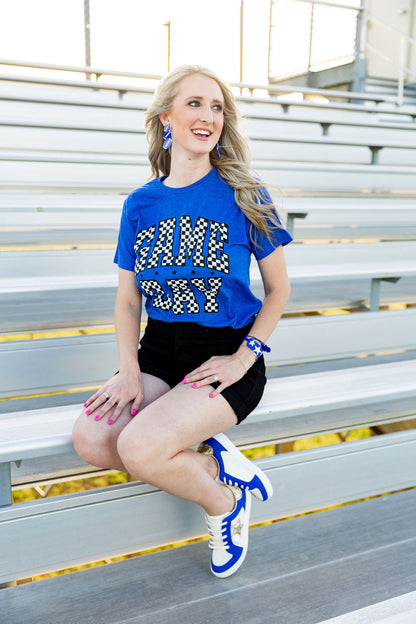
190 187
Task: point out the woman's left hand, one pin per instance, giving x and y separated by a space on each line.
226 369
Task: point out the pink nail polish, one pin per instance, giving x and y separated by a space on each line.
110 421
134 412
85 405
184 380
211 396
194 385
97 417
88 412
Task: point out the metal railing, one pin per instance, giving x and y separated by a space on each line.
404 42
271 90
330 61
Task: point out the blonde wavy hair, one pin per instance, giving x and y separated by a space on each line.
234 163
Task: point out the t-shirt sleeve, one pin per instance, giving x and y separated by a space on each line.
125 256
265 245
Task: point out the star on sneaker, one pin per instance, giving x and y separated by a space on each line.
228 535
235 469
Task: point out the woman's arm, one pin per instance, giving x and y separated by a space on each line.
127 317
230 368
277 292
126 386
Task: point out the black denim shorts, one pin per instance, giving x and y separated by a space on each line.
170 351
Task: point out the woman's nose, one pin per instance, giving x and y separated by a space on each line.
206 114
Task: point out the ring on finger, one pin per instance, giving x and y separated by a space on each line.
105 395
215 377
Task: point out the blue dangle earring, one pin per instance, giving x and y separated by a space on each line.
218 149
167 137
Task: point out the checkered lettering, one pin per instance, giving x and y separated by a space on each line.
155 291
217 262
211 293
141 252
163 245
192 241
182 294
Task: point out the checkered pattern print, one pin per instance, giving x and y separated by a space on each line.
141 252
163 245
182 294
151 288
214 283
219 262
192 241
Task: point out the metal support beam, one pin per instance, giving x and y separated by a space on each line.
241 42
375 291
87 36
168 26
5 485
290 220
375 150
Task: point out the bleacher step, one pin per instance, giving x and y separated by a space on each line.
400 610
306 569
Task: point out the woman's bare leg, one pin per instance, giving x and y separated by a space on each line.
96 441
155 446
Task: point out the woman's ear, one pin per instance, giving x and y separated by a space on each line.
164 118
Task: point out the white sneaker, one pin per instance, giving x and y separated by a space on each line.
228 535
235 469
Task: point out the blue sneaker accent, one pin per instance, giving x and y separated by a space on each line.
235 469
228 535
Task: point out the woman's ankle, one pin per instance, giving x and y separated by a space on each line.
223 503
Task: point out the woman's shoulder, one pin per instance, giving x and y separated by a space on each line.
141 196
149 188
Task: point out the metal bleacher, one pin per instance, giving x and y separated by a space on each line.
343 358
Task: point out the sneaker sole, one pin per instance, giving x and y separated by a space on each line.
227 444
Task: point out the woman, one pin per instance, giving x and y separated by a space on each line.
185 243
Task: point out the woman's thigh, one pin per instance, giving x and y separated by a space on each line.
178 420
99 434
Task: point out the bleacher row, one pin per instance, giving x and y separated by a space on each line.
346 183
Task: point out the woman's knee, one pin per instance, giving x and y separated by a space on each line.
92 448
139 454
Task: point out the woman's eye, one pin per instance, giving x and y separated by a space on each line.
218 108
193 103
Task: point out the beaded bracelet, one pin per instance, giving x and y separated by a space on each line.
256 345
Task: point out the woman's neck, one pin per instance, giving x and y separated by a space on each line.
185 170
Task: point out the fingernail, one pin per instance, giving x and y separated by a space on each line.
184 380
85 405
97 417
211 396
134 412
194 385
110 421
88 412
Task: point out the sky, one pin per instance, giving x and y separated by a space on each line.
130 35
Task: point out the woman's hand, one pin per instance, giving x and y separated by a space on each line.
226 369
115 395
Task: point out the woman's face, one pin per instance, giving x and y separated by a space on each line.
196 116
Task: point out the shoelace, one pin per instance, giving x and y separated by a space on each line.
215 531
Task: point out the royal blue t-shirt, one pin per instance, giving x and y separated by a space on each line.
190 249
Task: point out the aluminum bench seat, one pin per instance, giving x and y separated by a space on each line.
120 174
74 362
292 407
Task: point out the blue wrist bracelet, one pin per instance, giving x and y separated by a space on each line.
256 345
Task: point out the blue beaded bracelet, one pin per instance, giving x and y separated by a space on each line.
256 345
